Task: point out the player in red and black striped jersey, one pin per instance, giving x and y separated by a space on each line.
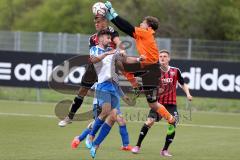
170 78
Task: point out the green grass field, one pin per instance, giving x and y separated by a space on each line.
29 131
48 95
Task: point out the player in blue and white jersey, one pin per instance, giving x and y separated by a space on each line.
107 91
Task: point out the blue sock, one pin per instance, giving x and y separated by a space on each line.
124 135
84 134
97 124
102 134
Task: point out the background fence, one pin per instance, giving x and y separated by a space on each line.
64 43
78 43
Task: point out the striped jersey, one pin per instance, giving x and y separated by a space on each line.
168 85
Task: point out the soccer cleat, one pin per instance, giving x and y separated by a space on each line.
65 121
165 153
135 149
88 142
75 142
93 151
126 148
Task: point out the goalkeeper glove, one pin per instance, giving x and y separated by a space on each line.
111 14
108 5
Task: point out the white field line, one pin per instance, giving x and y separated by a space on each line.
27 115
126 107
185 125
196 125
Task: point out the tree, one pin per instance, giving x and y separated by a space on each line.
59 16
201 19
11 10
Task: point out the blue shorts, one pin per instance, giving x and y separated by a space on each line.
108 92
97 110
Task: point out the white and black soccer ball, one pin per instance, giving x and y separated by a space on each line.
99 9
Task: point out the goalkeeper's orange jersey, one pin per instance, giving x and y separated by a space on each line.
146 45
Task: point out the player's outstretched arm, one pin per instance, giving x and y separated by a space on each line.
118 21
123 25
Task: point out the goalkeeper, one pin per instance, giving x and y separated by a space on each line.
149 57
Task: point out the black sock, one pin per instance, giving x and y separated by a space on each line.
142 134
77 102
169 139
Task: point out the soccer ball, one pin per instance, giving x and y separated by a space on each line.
99 8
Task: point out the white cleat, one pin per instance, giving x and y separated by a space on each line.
165 153
136 149
65 121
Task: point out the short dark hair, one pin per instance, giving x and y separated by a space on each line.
152 22
103 32
99 17
164 51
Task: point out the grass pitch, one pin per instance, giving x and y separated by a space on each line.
29 131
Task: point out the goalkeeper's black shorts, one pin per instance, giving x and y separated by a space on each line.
150 78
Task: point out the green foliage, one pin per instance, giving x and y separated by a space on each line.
11 10
58 16
202 19
231 17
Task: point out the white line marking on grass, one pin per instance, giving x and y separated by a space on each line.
124 107
159 123
27 115
209 126
195 125
184 110
26 102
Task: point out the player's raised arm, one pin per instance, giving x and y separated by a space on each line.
121 23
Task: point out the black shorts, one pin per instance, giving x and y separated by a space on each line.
150 78
96 110
89 77
171 108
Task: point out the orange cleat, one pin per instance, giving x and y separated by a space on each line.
126 148
75 142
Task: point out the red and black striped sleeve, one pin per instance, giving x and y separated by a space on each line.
179 77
